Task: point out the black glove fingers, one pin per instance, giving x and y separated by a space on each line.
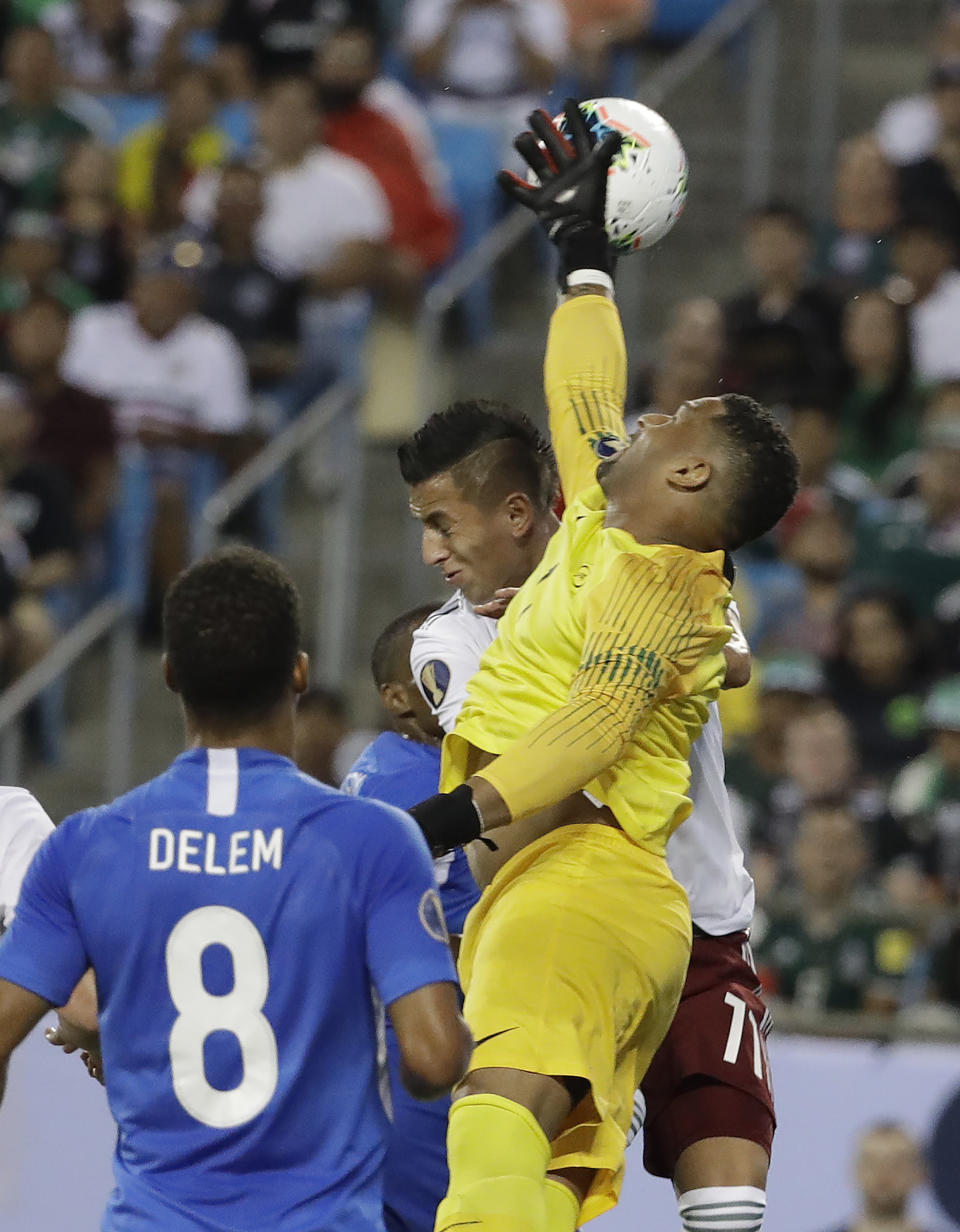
606 150
519 189
558 147
535 156
578 131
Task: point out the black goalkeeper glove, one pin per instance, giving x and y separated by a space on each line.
448 820
570 199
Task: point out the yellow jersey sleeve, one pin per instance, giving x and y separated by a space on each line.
650 625
585 382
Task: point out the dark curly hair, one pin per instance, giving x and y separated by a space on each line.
765 469
231 629
490 449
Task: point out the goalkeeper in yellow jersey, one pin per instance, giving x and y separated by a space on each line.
587 705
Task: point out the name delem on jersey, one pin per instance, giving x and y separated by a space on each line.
193 851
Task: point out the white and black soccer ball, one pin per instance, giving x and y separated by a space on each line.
647 186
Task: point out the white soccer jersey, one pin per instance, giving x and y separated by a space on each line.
23 827
704 854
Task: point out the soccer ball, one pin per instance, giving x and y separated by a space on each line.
647 186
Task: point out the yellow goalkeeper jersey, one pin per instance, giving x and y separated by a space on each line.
609 655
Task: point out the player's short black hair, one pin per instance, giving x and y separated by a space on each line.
764 468
777 210
385 662
231 629
491 449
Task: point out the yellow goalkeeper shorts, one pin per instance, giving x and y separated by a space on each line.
573 963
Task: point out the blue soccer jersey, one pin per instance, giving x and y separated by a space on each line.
237 915
403 773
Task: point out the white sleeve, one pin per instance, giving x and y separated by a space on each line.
225 405
363 202
545 25
424 21
82 363
23 827
442 666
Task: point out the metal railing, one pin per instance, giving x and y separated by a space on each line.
114 618
336 597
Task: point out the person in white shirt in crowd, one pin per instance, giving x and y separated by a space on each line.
179 386
924 257
115 46
908 128
23 827
486 62
325 220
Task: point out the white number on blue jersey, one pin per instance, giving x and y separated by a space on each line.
239 1012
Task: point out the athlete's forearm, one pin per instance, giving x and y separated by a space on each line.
560 756
585 382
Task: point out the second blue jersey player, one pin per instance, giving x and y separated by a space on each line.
402 767
236 915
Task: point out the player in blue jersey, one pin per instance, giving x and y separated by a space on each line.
236 913
402 767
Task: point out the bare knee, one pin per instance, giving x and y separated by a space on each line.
545 1097
717 1162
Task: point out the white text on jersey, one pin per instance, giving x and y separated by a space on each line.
193 851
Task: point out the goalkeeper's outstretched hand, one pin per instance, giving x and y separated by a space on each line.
570 198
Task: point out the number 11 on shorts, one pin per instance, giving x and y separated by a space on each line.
735 1036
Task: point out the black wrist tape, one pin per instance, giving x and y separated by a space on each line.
584 245
448 820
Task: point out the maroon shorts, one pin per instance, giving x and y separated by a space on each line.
711 1075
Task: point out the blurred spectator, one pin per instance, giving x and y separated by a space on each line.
31 265
828 945
178 383
880 409
597 29
39 539
888 1169
258 42
322 727
820 546
853 247
488 62
115 46
815 436
914 543
74 429
782 333
38 124
908 127
820 763
789 686
932 183
339 249
924 256
878 676
926 793
423 228
95 250
257 305
159 160
690 352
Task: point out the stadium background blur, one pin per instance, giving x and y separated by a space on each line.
157 161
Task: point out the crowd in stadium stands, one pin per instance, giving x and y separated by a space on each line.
200 202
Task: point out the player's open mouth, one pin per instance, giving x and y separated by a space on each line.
450 578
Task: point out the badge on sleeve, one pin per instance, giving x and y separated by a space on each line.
431 916
435 680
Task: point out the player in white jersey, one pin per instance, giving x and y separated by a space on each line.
482 487
23 827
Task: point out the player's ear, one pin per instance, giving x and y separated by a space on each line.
690 474
168 677
520 513
301 673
